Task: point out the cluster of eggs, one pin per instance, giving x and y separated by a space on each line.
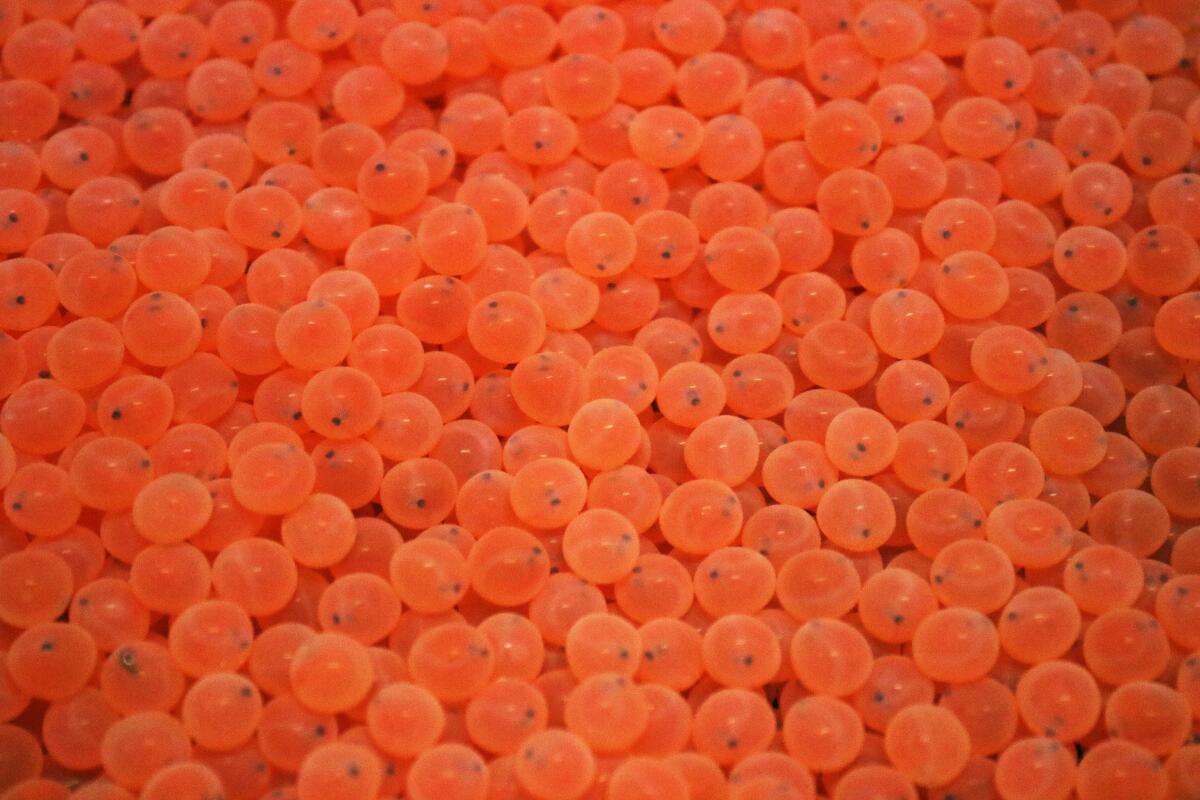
553 400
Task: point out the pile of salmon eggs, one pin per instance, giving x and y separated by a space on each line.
609 400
